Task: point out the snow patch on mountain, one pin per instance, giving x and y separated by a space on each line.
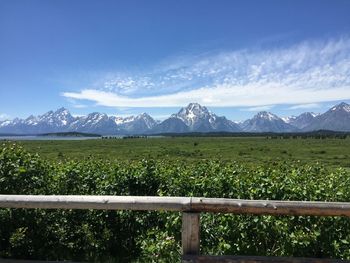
289 119
5 123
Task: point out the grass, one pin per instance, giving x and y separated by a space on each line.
332 152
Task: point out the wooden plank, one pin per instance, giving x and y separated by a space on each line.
255 259
190 233
185 204
96 202
270 207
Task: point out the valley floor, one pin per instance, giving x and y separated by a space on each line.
330 152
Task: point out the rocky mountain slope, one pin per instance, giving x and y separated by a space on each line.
196 118
336 118
267 122
193 118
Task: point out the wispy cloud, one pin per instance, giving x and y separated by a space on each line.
76 104
304 74
79 106
259 108
305 106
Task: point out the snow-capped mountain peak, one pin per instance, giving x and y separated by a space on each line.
341 107
193 113
64 116
96 117
31 120
140 123
266 115
199 118
62 111
193 109
143 115
196 107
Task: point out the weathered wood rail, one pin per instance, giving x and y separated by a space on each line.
191 207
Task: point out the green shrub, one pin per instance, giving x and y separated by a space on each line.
124 236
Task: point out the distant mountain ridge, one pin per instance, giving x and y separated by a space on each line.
336 118
301 121
62 121
267 122
193 118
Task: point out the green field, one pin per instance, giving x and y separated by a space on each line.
332 152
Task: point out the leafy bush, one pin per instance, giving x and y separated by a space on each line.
124 236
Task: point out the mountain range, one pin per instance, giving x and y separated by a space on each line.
193 118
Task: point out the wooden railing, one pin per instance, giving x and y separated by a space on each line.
191 207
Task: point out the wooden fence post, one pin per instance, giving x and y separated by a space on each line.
190 233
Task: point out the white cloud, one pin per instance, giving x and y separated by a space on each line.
305 106
220 96
305 74
4 116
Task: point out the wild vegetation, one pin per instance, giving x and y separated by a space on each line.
333 152
122 236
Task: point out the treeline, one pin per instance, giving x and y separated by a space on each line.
124 236
70 134
321 134
54 134
309 136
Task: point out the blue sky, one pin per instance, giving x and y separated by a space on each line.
128 57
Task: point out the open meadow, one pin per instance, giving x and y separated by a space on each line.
250 150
